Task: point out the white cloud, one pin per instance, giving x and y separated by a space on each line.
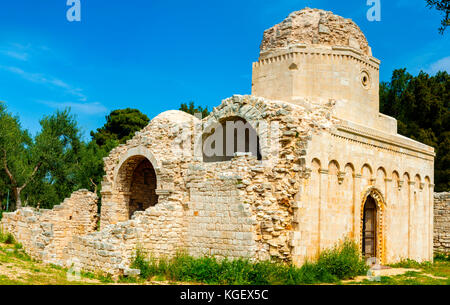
22 52
85 108
16 51
46 80
16 55
442 64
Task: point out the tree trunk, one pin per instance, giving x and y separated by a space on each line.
16 189
18 200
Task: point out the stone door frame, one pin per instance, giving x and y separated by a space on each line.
380 230
112 210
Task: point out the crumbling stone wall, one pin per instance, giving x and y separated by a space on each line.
45 233
314 26
219 222
161 143
261 195
240 208
442 222
159 230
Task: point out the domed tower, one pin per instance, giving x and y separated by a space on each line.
316 56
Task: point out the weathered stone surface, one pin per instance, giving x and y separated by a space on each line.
314 26
442 222
52 230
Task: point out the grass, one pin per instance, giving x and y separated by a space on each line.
333 266
340 263
430 273
435 274
18 268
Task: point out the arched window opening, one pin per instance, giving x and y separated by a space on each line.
232 135
136 183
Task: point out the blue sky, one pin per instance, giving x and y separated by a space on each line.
155 54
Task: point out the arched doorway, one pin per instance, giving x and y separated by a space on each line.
137 184
369 230
143 188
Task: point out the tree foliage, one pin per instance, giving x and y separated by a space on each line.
120 126
46 161
444 7
421 105
41 171
192 109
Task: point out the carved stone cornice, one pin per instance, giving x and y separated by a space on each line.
382 140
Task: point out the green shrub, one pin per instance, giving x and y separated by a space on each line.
9 239
148 267
341 262
409 263
442 257
106 278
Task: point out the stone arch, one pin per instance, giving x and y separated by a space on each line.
406 177
333 167
136 185
418 181
136 151
366 176
244 138
381 169
377 196
315 164
333 196
405 190
395 177
348 174
350 165
366 169
136 182
253 114
349 191
380 181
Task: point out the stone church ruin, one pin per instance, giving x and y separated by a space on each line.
325 165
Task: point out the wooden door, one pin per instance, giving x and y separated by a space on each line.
370 229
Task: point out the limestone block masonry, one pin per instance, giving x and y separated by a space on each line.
442 222
325 165
45 233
